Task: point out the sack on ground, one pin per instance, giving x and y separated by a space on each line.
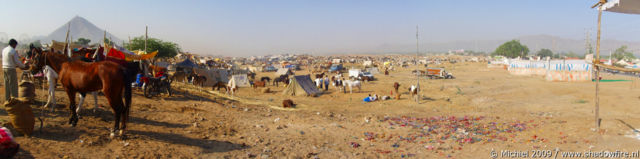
26 90
21 115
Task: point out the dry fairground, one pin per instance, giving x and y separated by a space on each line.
481 110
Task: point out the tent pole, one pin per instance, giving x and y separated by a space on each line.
597 69
66 39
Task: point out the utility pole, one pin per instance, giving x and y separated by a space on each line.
146 36
417 74
587 42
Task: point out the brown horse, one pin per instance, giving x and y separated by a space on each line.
320 75
82 77
197 79
257 84
219 85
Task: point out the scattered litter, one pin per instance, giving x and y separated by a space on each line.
355 144
276 120
635 134
450 130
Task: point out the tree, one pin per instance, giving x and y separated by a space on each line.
164 48
572 54
83 41
37 43
622 53
545 53
512 49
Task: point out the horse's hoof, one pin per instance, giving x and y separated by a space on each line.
112 135
121 132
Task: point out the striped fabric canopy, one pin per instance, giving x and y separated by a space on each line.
622 6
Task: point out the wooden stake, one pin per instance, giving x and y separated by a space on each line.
597 69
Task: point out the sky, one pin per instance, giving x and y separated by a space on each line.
259 27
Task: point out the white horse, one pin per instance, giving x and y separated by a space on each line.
351 84
52 78
231 87
413 90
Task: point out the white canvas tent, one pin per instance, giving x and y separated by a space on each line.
213 76
240 80
373 70
367 63
284 71
354 72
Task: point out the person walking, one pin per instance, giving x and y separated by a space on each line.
326 83
10 61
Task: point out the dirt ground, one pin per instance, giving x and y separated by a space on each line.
499 111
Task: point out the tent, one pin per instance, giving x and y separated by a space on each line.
367 63
301 86
213 76
354 72
187 64
373 70
622 6
59 46
240 80
284 71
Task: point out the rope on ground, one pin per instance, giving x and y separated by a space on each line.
240 99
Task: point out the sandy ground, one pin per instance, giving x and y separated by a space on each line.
529 113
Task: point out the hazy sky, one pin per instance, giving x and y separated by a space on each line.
254 27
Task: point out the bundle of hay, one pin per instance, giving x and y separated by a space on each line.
20 114
265 90
26 90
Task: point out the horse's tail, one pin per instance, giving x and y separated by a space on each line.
128 79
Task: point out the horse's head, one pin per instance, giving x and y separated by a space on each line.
38 60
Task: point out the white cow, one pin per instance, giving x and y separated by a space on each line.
351 84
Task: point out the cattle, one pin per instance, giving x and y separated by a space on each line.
351 84
282 78
288 103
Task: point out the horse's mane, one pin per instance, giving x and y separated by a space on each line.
55 60
56 56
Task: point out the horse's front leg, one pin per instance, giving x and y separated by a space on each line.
82 95
51 101
73 119
95 101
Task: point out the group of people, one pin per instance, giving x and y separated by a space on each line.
323 81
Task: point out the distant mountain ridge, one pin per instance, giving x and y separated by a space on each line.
80 28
